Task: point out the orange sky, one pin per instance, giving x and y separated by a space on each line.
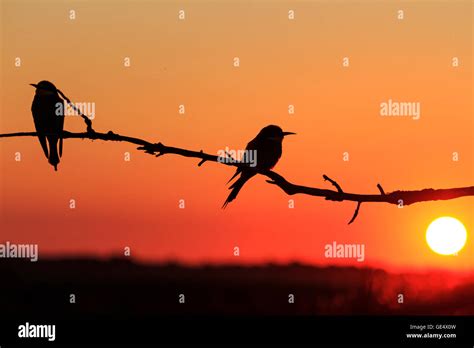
283 62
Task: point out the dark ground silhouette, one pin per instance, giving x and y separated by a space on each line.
120 288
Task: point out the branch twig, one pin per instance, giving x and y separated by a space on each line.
335 184
355 213
86 119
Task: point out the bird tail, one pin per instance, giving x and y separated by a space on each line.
61 147
236 187
53 154
44 145
237 172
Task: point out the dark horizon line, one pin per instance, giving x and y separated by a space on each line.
170 262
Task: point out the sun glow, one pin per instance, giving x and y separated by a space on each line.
446 235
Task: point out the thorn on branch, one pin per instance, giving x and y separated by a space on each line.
355 213
382 192
335 184
147 149
110 134
202 161
150 149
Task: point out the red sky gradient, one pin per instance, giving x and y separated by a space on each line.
283 62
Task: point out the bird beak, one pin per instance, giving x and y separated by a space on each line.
32 84
288 133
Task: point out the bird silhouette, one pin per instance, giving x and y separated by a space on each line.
49 120
268 147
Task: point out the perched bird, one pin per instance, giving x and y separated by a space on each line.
268 147
48 115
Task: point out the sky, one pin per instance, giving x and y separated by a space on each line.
282 62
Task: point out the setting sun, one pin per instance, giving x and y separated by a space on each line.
446 235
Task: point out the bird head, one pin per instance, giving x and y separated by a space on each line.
273 132
45 87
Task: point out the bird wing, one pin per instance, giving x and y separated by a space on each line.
237 172
250 146
60 147
39 125
60 128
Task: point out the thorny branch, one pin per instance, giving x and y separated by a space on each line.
338 195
